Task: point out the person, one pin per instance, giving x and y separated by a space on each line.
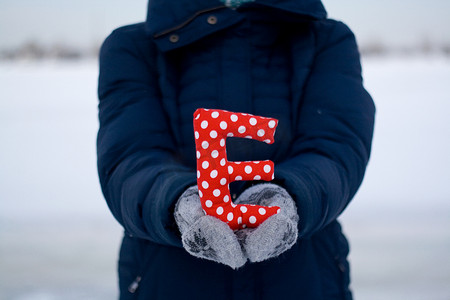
280 59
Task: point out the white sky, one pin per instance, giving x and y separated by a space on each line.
82 22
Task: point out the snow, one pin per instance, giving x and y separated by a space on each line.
59 241
398 224
57 238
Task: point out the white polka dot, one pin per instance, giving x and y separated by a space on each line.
248 169
197 116
238 162
253 121
241 129
249 137
200 193
213 134
204 124
267 168
272 124
216 193
233 205
213 173
278 211
222 142
208 203
197 135
215 154
262 211
219 210
261 132
205 164
226 198
238 178
243 209
244 226
205 185
267 141
205 145
273 176
223 125
230 134
222 162
252 219
230 170
234 118
198 154
239 220
257 177
198 174
223 181
215 114
230 216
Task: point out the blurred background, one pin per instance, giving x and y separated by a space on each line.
57 237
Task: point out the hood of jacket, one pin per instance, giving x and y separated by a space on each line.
174 23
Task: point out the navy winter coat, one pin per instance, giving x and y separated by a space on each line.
281 59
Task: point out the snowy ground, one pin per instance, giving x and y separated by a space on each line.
58 240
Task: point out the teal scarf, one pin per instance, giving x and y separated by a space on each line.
235 3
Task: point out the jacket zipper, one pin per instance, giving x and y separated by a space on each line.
134 285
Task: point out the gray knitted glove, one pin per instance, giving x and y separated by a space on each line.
206 236
275 235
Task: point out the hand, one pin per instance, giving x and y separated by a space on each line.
275 235
206 236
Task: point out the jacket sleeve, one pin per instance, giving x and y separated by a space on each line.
140 175
333 133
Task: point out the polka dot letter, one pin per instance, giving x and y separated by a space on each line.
215 172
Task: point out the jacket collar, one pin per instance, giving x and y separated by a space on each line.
175 23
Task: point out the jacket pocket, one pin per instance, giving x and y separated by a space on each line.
332 249
133 264
343 265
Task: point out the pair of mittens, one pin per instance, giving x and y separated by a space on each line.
209 238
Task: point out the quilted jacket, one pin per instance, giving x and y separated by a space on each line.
281 59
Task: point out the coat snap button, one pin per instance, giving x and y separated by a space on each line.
174 38
212 20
